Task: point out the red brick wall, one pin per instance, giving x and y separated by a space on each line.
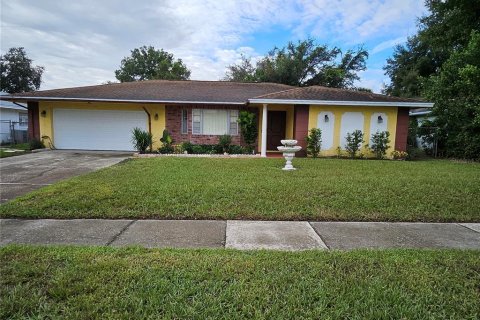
300 127
174 124
402 129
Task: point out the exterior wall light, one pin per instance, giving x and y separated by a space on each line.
156 116
380 119
327 118
43 113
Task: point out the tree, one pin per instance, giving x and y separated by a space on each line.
456 94
440 63
442 32
303 64
242 72
17 72
147 63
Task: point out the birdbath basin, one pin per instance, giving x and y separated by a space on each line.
289 148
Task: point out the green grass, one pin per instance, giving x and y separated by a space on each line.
4 154
21 148
321 189
134 283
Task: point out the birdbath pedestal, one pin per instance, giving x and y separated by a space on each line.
289 148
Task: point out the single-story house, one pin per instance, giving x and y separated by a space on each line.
13 122
102 117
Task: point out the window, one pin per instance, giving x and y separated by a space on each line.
23 119
184 121
214 122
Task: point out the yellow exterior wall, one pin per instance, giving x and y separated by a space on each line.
46 122
391 113
289 120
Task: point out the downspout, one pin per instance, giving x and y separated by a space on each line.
149 125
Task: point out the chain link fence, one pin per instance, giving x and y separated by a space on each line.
13 132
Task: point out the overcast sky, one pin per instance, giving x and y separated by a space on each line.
82 42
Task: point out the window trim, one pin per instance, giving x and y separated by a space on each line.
229 117
184 122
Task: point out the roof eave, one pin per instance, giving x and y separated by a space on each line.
24 98
345 103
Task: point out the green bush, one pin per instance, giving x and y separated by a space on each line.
197 149
36 144
224 142
167 143
354 142
314 142
248 127
379 146
141 140
236 149
187 146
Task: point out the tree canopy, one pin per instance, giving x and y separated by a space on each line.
18 74
456 92
441 63
304 63
445 30
148 63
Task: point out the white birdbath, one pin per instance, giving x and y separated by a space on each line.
289 148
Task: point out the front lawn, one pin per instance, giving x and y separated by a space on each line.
134 283
206 188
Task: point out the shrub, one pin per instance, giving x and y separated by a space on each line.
141 140
187 146
399 155
354 142
314 142
36 144
177 148
236 149
197 149
167 142
166 138
339 152
248 127
224 142
380 141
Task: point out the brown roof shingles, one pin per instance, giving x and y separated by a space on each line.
164 91
331 94
167 91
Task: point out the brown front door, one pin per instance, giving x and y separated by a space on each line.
276 123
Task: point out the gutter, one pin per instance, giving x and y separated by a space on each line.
420 113
344 103
25 98
259 101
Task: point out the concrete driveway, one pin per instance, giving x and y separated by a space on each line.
22 174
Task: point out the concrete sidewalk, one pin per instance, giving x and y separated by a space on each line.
276 235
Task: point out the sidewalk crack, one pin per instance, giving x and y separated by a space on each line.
115 237
466 227
318 234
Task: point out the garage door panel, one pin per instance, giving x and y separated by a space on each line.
96 129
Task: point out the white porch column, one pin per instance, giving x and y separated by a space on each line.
264 130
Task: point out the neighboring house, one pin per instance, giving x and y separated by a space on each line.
102 117
422 115
13 123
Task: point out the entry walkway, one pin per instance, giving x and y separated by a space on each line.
244 235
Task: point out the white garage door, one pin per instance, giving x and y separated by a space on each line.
96 129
